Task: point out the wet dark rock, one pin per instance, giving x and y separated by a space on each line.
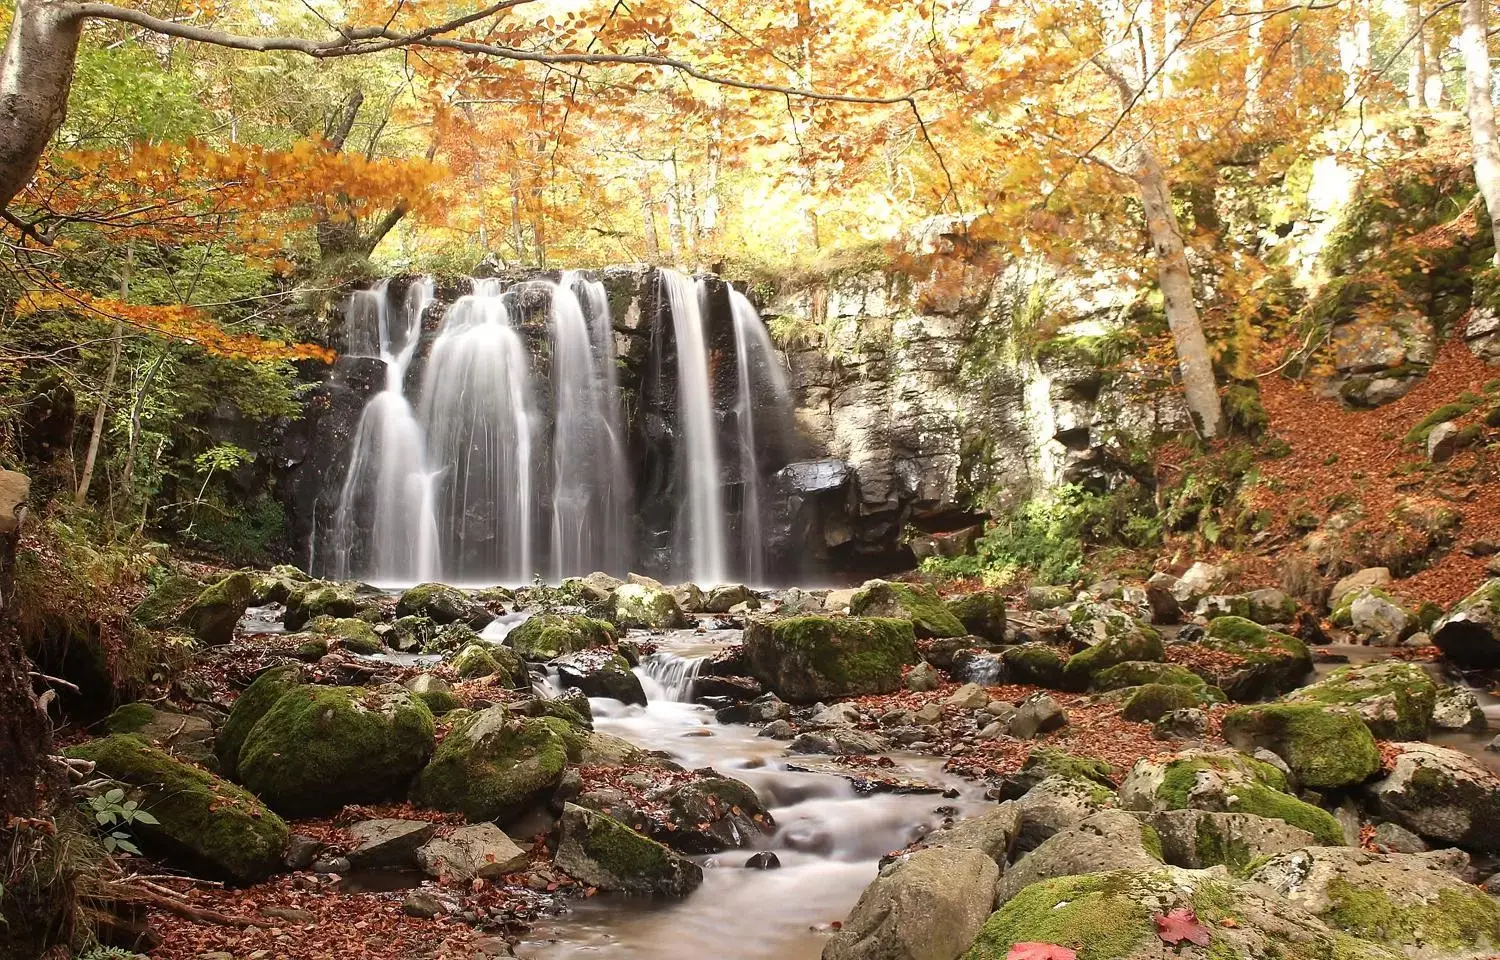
765 860
302 851
729 688
601 673
388 843
838 742
1469 634
762 709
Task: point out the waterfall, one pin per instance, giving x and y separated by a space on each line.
387 480
700 520
507 452
611 480
480 419
674 675
756 363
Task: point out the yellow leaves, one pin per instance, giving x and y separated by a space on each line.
176 322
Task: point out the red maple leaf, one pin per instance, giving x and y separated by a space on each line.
1040 951
1179 925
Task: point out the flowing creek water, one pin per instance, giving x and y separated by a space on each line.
828 837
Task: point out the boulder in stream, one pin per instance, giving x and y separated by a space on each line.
916 602
1260 663
1325 745
927 905
1470 633
547 636
496 765
643 607
441 603
213 615
605 853
807 659
1394 698
601 673
982 614
318 748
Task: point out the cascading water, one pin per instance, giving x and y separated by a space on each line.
388 480
505 451
479 414
757 364
700 522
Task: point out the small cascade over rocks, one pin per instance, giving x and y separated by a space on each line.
671 677
515 435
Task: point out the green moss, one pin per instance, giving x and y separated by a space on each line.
474 661
646 608
252 704
1454 919
1182 775
213 615
813 658
1037 663
319 747
1154 700
161 607
982 614
1135 673
1448 411
438 702
1051 762
494 766
1135 641
1406 686
1151 840
622 851
1214 849
353 634
918 603
202 819
1265 802
1090 913
131 718
312 649
1244 411
549 636
1326 746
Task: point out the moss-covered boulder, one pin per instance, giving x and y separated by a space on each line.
1395 699
637 606
441 603
278 584
410 634
1375 617
601 673
181 735
318 748
1442 795
323 598
1113 916
204 823
1470 634
715 813
1152 701
1108 637
1261 606
1414 903
547 636
475 661
212 616
252 704
1325 745
916 602
352 633
166 601
433 691
807 659
1198 839
1038 663
495 765
604 853
1260 663
1226 781
981 613
1135 673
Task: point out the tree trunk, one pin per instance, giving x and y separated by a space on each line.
1481 108
1175 280
1416 77
25 734
97 433
35 76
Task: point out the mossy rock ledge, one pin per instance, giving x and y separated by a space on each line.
1395 699
318 748
547 636
205 823
807 659
603 852
1224 781
1112 916
1326 745
919 603
496 765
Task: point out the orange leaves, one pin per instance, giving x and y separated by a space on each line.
176 322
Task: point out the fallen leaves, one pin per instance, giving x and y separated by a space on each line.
1182 925
1040 951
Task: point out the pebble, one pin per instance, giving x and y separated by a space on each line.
423 906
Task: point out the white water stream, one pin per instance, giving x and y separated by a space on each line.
828 838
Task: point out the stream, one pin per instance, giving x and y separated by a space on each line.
828 838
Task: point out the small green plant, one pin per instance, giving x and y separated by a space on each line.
108 953
115 816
